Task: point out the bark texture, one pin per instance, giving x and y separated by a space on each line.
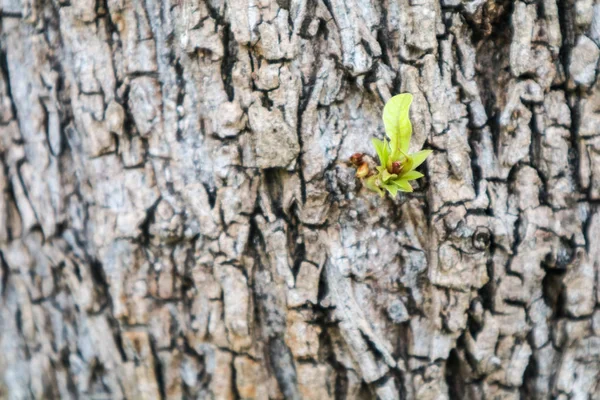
178 219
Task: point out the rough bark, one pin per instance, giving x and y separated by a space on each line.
178 219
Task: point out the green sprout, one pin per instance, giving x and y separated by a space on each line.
396 167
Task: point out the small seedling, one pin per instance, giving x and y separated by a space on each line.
396 167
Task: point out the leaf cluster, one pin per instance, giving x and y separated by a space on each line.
396 166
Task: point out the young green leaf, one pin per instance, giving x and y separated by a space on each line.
382 149
403 185
391 188
419 157
396 121
386 176
371 184
412 175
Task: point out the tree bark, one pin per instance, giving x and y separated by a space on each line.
178 218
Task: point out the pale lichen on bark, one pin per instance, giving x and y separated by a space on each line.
178 218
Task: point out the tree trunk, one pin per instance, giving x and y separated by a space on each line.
178 218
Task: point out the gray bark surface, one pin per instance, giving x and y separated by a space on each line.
178 218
